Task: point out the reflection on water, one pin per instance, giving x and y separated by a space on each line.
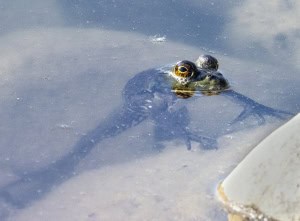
192 22
266 34
59 75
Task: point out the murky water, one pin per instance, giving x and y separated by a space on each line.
63 68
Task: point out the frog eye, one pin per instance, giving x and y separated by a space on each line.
185 69
182 69
207 62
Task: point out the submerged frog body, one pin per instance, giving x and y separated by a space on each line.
155 94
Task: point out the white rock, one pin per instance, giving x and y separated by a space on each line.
266 184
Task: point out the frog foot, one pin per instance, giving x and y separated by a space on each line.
254 109
206 143
259 111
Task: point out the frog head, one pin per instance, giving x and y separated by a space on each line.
202 76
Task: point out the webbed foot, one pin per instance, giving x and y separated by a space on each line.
205 142
254 109
259 112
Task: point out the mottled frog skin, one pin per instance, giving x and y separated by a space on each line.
158 95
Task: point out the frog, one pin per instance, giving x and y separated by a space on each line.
157 94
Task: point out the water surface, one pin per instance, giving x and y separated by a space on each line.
63 67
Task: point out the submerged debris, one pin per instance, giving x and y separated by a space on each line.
64 126
158 39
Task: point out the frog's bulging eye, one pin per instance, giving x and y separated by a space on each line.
185 69
207 62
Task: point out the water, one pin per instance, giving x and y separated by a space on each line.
63 67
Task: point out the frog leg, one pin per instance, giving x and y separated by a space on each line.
173 124
205 142
253 108
35 185
188 135
259 112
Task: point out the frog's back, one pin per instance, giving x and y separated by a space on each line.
146 83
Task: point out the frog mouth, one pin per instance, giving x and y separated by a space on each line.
183 91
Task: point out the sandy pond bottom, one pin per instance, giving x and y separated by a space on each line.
60 83
175 184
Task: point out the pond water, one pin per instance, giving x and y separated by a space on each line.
63 67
